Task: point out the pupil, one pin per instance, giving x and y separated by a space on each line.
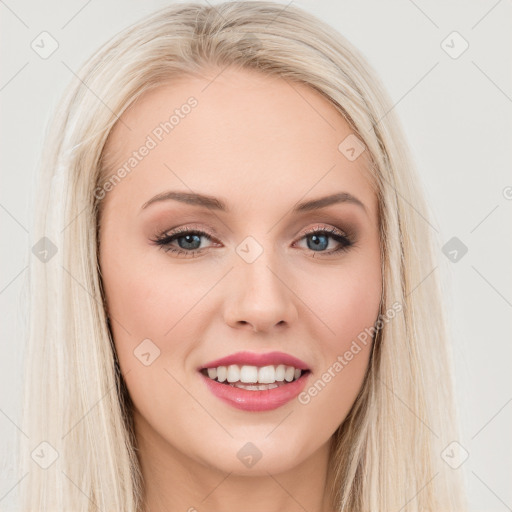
190 239
319 241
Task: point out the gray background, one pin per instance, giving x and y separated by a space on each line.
456 114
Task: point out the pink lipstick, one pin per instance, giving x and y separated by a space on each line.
256 382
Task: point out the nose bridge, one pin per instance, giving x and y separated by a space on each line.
260 295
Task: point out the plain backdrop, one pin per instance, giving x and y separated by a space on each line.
456 112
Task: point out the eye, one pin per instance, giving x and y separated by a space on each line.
317 240
189 241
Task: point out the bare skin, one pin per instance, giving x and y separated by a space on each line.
259 146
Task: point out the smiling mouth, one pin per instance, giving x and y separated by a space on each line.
254 378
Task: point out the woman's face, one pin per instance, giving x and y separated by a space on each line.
239 269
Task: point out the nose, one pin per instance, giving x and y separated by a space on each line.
260 298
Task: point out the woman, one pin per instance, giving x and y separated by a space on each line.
231 312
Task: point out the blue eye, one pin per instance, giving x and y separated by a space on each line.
189 241
318 240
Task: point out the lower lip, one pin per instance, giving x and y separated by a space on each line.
265 400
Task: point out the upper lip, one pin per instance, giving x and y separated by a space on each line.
255 359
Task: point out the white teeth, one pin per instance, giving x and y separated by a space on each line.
280 370
247 374
221 373
233 373
289 373
266 375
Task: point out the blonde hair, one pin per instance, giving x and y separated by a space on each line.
386 455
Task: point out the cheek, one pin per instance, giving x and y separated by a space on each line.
350 310
150 308
144 298
347 310
150 299
345 299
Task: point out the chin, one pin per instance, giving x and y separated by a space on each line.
256 458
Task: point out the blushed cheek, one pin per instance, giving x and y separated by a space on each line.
351 309
129 288
346 305
150 300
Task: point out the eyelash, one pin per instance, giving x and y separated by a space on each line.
163 241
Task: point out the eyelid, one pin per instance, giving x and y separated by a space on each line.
187 228
328 229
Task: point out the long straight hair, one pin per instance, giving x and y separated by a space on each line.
386 455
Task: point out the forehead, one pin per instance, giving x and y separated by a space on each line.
240 134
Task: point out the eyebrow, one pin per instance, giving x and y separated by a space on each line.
219 205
